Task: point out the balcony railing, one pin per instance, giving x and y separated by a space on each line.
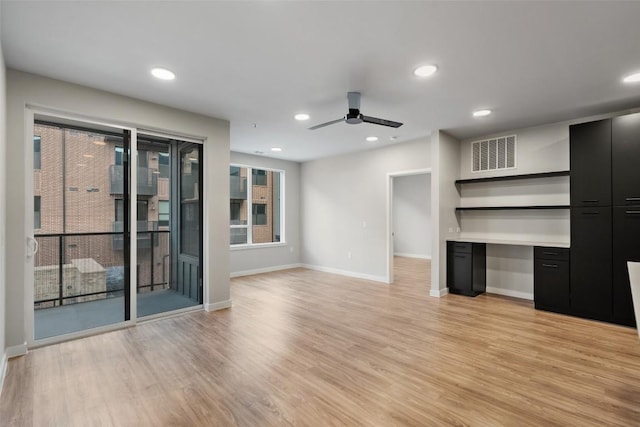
145 238
238 188
147 180
80 267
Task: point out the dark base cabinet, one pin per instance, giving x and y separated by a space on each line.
551 284
626 247
466 268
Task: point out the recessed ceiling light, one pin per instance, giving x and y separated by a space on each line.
632 78
162 74
372 138
425 70
301 116
276 149
481 113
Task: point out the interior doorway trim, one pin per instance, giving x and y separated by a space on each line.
390 177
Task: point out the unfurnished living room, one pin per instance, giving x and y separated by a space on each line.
319 213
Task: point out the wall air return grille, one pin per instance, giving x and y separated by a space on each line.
493 154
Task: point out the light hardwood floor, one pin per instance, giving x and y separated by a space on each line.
302 347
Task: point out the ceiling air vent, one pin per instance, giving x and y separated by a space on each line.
493 154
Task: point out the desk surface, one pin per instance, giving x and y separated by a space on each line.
509 242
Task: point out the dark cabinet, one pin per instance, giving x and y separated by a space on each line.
551 285
591 262
590 156
626 247
466 268
625 137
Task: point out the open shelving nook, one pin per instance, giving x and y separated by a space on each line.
512 178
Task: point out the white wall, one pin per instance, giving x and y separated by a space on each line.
412 215
445 197
26 89
267 258
3 204
344 207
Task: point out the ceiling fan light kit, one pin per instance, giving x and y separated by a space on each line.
354 117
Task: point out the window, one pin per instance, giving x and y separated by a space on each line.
255 210
163 213
259 177
259 214
143 210
119 156
37 153
36 213
163 165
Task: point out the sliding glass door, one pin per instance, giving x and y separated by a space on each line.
83 206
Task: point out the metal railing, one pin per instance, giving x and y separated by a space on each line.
73 268
145 240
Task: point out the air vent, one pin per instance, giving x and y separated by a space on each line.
493 154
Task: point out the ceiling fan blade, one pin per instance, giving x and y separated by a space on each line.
326 124
383 122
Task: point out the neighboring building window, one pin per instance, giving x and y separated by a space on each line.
163 165
119 156
256 209
143 210
36 213
259 176
259 214
37 153
163 213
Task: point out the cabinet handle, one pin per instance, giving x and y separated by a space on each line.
590 213
550 253
632 212
590 201
461 256
550 265
632 199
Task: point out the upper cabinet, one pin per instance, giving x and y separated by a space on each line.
625 134
591 163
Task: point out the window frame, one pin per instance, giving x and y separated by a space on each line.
249 225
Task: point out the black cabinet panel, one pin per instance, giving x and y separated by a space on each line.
591 259
591 163
551 286
466 268
626 247
551 253
625 137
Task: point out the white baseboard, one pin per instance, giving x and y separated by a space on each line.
264 270
510 293
16 350
347 273
402 254
438 293
3 371
217 305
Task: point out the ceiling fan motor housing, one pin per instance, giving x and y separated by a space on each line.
353 117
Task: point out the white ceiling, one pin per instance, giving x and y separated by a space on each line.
260 62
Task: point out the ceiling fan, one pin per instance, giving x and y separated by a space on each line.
354 116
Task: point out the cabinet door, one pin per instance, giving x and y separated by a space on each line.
551 285
591 287
460 271
591 163
626 247
625 160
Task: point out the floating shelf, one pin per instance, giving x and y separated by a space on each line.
509 208
514 177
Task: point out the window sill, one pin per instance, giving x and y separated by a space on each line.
257 246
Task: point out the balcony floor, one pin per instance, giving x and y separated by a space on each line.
50 322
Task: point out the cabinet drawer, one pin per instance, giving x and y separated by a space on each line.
460 247
551 253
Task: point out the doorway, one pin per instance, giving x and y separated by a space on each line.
409 221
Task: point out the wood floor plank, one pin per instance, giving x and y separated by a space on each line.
306 348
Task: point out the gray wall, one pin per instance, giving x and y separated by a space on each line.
265 258
412 215
26 89
3 204
344 207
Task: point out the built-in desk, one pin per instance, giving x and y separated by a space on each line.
466 269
